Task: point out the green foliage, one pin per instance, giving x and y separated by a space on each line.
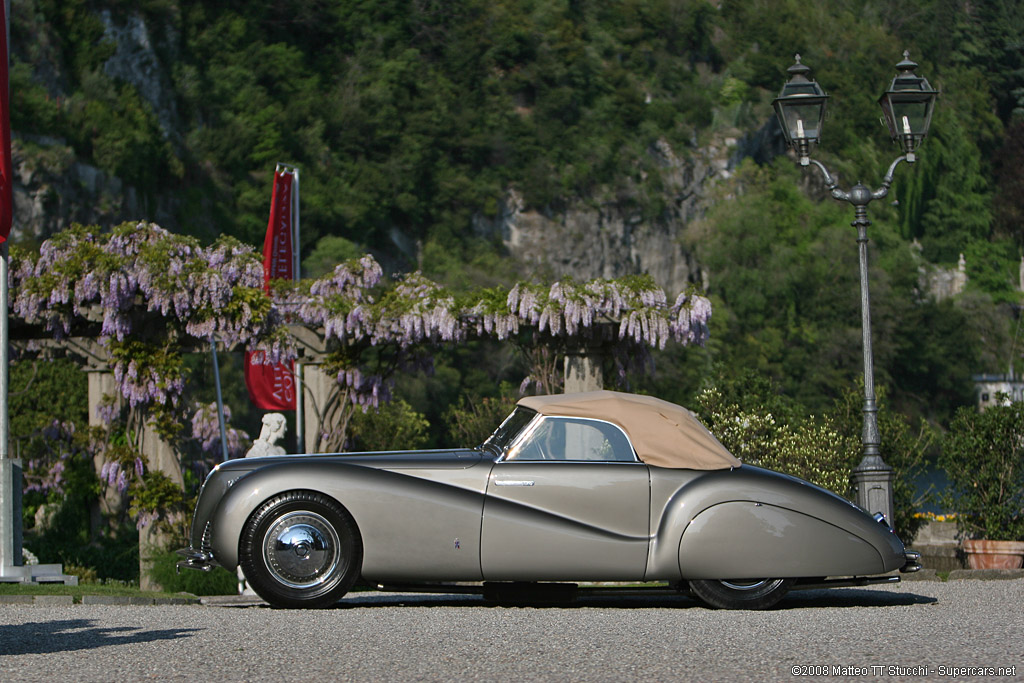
217 581
156 498
1008 203
994 268
763 427
983 455
42 391
474 418
393 426
809 449
946 201
935 355
39 113
330 250
786 284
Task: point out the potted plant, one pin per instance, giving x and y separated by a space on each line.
983 455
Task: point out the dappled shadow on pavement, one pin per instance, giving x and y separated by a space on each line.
68 635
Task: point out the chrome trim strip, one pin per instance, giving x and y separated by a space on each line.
513 482
853 581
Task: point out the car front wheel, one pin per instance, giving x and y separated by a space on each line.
301 549
741 593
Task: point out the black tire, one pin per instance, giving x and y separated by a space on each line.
741 593
301 549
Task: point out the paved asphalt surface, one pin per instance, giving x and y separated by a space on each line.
941 627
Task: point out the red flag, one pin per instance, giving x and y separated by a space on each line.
277 245
6 173
272 385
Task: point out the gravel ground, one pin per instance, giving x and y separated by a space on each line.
941 627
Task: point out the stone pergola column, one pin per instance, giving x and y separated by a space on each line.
316 391
159 455
583 372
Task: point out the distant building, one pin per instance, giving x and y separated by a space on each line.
989 387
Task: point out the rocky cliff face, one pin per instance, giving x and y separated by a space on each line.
612 239
52 190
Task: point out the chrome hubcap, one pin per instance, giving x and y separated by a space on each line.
302 549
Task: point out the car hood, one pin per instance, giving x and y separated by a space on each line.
388 460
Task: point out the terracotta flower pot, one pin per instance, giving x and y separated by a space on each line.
994 554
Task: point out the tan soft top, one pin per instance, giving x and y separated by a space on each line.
663 434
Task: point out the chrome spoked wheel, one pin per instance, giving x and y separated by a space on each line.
301 549
741 593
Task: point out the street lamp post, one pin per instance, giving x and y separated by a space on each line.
907 106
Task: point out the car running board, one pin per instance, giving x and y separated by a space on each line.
852 581
562 590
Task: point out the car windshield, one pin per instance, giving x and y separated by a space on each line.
506 433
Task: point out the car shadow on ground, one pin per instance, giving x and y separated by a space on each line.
69 635
798 599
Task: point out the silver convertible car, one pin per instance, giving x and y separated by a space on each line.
571 489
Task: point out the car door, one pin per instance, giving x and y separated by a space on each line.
568 501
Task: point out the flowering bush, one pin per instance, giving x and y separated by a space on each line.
812 449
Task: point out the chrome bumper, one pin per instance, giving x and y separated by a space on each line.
195 559
913 562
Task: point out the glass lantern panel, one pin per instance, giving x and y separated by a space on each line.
803 121
910 117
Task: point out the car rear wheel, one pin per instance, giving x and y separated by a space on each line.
741 593
301 549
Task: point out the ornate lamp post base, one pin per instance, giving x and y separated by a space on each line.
872 481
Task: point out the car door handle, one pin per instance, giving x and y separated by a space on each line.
513 482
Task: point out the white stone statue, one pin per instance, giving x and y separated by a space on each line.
274 427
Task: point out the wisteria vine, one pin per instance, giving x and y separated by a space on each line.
148 295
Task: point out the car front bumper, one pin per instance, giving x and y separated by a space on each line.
195 559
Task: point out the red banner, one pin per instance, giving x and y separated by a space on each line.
277 245
272 385
6 173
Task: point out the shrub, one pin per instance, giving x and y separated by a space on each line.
392 426
475 418
217 581
983 455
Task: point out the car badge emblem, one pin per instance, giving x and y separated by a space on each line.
457 546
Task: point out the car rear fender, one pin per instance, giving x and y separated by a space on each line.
750 523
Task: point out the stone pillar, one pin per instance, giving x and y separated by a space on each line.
10 516
583 372
101 382
161 457
316 392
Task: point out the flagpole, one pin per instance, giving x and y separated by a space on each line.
300 446
220 402
10 469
